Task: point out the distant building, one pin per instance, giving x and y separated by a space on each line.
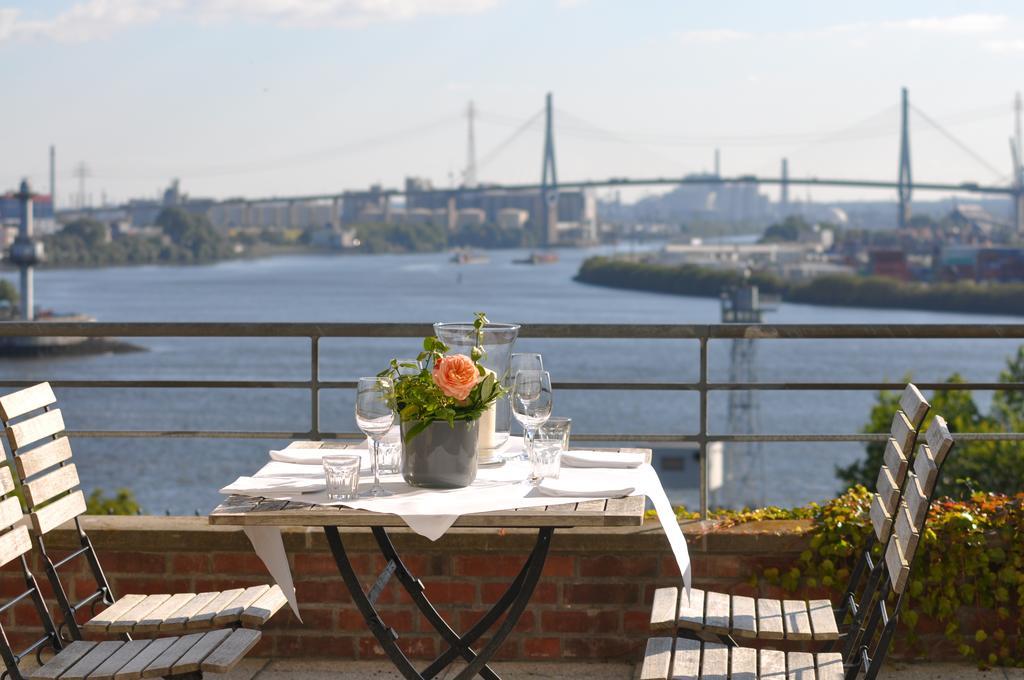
512 218
470 217
980 264
975 223
890 263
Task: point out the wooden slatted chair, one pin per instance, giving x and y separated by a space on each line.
49 480
684 658
183 657
722 617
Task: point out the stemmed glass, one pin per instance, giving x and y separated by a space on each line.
522 361
531 402
374 416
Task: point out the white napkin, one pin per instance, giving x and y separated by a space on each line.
602 459
562 488
300 456
254 486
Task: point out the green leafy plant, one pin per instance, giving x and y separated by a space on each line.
122 503
424 397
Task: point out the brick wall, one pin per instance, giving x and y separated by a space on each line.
592 602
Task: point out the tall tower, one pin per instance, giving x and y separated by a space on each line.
743 462
784 191
26 252
718 163
549 178
469 176
905 182
53 180
1018 168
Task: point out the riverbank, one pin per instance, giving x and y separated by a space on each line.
832 291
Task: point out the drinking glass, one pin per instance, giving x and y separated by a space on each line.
522 361
405 369
391 450
551 439
374 416
531 402
342 475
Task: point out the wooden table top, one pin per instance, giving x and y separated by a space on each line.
248 511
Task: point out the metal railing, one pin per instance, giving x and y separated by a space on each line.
703 334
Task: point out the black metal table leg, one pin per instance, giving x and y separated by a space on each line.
512 604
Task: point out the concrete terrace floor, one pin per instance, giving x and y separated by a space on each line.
267 669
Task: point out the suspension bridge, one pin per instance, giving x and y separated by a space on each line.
546 191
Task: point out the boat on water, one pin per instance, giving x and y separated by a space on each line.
467 256
546 257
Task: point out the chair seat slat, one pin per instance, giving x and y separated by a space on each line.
657 659
769 619
903 431
260 611
939 440
231 651
797 622
194 657
42 457
691 612
101 621
830 666
881 520
716 617
906 533
744 616
925 468
64 660
887 489
914 405
232 612
743 663
118 660
91 661
14 543
179 619
772 664
714 663
686 660
153 620
134 668
204 617
128 620
895 460
897 566
823 620
800 666
162 665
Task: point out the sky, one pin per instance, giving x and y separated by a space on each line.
283 97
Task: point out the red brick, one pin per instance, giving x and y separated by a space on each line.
313 619
349 619
315 564
451 592
413 647
545 593
486 566
133 563
638 621
468 618
601 593
542 648
190 564
559 565
616 566
238 563
591 621
148 585
321 591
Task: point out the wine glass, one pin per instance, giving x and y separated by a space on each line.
522 361
531 402
374 416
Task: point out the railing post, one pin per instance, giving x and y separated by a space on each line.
314 388
702 434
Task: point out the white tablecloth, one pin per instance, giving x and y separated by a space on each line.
431 512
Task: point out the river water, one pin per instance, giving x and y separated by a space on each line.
181 476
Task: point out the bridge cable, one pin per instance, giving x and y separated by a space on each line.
504 144
961 145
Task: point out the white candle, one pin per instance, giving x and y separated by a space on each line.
488 441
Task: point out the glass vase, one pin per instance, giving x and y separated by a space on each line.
498 340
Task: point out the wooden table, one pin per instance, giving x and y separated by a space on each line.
245 511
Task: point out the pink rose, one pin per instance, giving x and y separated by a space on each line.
456 375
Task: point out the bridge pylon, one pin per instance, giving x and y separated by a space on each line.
906 185
549 179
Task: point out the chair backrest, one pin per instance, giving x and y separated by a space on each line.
902 437
15 543
874 634
42 459
42 455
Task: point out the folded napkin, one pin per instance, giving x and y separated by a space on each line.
580 489
272 486
602 459
300 456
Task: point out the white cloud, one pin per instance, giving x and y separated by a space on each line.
96 19
963 23
1006 46
711 36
